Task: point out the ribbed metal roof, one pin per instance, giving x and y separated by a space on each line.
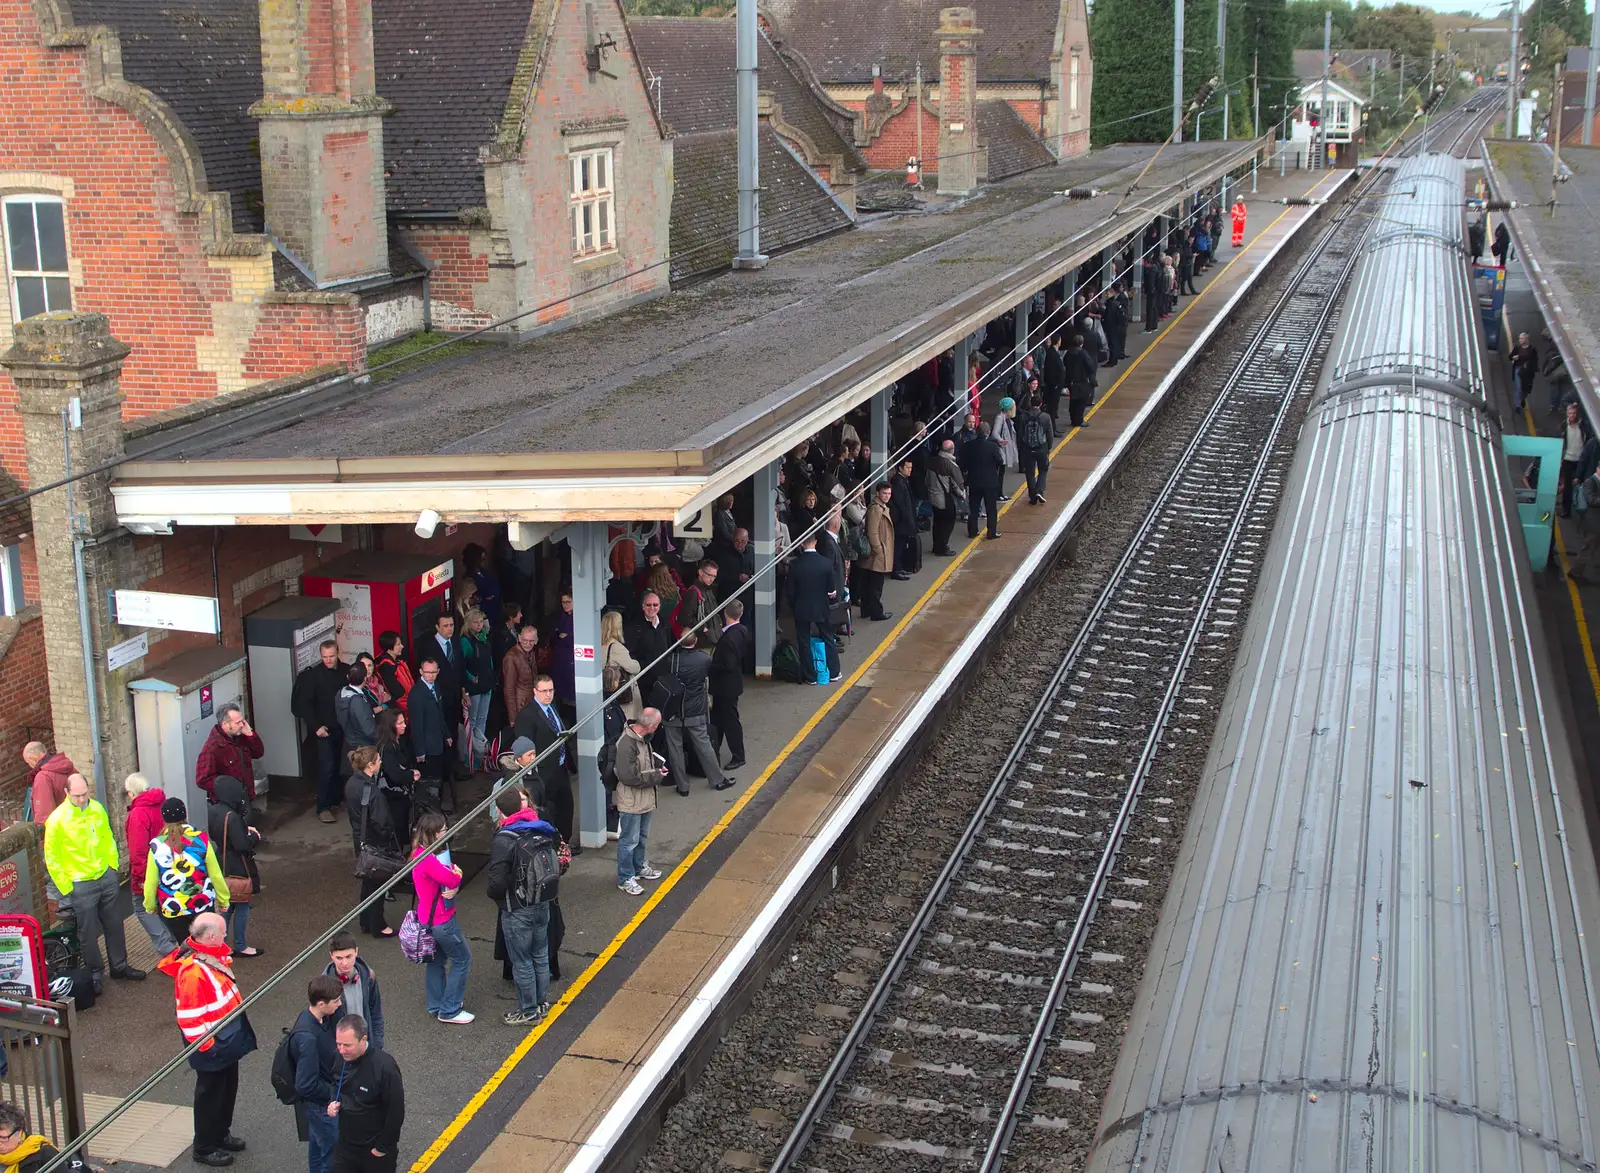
1373 953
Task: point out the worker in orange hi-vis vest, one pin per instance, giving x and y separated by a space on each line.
1238 213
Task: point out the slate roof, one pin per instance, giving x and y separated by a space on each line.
795 205
694 57
202 58
1012 145
446 68
843 39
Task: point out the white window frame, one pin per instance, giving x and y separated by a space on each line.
12 274
1072 91
11 600
592 177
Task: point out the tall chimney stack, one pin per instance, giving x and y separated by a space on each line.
958 100
322 137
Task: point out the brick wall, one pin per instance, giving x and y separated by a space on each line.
190 318
288 333
459 282
898 142
24 703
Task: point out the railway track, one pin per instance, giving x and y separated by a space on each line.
970 1044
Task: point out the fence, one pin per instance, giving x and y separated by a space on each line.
39 1067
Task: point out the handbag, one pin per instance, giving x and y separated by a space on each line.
240 888
666 694
373 863
416 938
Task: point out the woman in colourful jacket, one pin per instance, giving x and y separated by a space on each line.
182 878
437 884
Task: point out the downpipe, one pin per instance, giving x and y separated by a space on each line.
78 545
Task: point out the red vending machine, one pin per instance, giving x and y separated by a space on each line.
380 592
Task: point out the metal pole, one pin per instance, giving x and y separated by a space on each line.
745 91
1372 81
1327 66
1222 61
1557 111
918 116
590 546
1177 71
1589 78
1255 115
1514 73
764 622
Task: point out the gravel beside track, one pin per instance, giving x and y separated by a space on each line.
740 1111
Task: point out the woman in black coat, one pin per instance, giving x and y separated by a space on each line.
397 771
903 512
372 822
235 841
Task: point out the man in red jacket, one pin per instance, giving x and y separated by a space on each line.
229 749
47 778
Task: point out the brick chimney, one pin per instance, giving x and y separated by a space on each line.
959 165
322 137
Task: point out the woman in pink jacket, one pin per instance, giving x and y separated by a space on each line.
437 883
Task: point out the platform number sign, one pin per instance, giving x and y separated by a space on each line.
698 526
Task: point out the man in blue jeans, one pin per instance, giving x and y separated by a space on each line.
524 908
639 772
316 1068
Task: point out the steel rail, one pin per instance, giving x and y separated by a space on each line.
877 1000
1011 1111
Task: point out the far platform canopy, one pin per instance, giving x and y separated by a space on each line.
1560 246
656 411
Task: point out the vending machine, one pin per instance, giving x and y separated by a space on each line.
380 592
281 641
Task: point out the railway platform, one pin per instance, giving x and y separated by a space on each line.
619 1037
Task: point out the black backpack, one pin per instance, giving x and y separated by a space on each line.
283 1070
535 868
1034 434
666 694
786 663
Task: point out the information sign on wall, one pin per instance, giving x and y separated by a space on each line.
172 612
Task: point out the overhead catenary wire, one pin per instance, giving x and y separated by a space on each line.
314 948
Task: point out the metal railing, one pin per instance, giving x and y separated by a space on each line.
41 1068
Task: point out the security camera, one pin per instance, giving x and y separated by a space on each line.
427 522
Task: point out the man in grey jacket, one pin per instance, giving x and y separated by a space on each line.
353 708
692 667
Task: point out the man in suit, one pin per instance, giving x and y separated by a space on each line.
446 652
813 587
540 723
727 683
692 668
430 731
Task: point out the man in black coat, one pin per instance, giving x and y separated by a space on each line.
540 722
430 731
692 668
371 1108
986 466
727 683
1055 376
1035 434
314 700
813 588
446 650
1115 320
647 637
1151 278
1080 380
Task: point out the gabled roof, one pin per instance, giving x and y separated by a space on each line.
1011 144
1312 92
694 58
203 59
844 39
795 206
447 69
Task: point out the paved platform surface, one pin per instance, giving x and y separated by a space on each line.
636 960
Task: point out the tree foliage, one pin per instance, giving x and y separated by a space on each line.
678 7
1400 28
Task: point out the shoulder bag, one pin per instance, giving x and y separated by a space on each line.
373 863
240 888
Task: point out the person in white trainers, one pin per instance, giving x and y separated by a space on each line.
437 884
639 772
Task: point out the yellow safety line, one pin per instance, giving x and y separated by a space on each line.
1582 621
670 881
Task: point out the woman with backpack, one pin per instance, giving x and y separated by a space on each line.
437 884
226 820
181 877
372 826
